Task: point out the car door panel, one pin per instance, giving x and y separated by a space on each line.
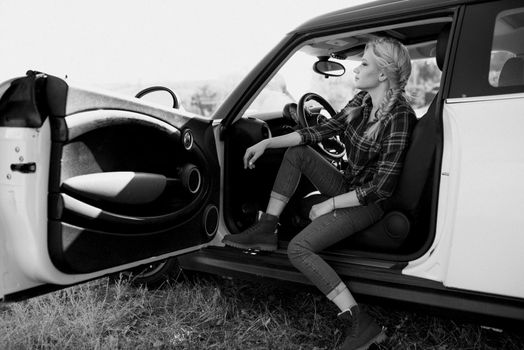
489 166
23 208
117 181
121 137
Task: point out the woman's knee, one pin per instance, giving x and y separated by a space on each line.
296 250
295 153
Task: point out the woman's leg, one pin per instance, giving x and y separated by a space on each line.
297 161
320 234
342 297
276 206
323 232
304 160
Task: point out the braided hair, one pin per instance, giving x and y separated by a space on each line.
393 59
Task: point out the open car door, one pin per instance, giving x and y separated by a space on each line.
93 184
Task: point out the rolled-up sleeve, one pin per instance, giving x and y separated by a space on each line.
390 162
333 126
319 132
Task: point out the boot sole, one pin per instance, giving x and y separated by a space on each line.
379 338
259 246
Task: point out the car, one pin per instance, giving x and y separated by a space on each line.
94 183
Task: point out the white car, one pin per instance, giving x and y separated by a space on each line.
93 183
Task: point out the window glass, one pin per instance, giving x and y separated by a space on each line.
423 84
507 52
297 77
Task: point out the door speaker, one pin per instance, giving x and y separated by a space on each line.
190 177
210 220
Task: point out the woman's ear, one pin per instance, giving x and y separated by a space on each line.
382 76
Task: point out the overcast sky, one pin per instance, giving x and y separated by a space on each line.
115 41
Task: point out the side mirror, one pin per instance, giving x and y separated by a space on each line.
329 68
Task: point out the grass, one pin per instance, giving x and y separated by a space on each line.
206 312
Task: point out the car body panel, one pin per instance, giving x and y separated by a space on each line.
487 240
20 198
471 235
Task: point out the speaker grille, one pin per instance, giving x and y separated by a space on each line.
187 139
210 220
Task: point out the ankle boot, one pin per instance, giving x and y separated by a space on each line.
261 236
368 332
348 321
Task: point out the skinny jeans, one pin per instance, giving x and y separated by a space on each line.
327 229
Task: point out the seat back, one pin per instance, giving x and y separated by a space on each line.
420 156
407 209
512 72
418 165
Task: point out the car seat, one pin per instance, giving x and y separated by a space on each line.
512 72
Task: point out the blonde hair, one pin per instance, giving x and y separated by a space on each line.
393 59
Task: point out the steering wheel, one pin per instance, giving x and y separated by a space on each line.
148 90
332 148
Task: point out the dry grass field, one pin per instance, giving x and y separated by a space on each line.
204 312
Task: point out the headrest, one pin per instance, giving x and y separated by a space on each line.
442 44
512 72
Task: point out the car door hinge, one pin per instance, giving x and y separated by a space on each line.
24 167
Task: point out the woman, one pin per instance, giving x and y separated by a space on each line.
375 127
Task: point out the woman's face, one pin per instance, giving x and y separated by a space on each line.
367 73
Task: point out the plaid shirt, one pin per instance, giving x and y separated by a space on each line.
373 165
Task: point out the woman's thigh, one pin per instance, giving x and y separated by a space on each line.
333 227
323 175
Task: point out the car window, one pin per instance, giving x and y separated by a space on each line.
489 35
423 84
507 52
296 77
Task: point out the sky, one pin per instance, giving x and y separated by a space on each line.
112 41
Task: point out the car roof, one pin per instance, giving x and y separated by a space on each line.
376 9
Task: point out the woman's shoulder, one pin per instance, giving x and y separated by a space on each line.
402 116
403 109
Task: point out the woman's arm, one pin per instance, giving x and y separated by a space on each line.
333 126
255 151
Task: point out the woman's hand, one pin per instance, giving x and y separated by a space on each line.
253 153
282 141
321 209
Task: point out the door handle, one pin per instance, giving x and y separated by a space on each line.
24 168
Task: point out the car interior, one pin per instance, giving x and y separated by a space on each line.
407 229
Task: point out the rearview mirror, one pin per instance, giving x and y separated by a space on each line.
329 68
